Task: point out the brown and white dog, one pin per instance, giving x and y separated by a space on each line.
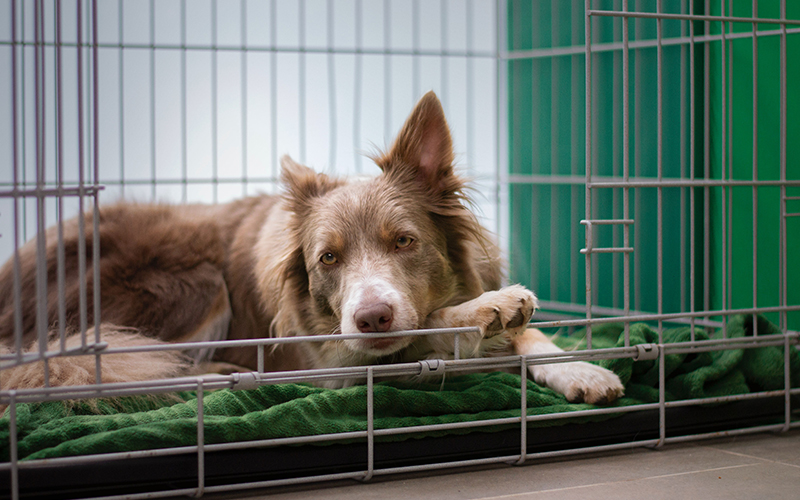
398 252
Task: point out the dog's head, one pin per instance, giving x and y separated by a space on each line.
379 255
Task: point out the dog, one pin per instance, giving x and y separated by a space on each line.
397 252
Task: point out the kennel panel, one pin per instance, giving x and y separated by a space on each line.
700 145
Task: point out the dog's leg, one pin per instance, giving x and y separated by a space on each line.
506 310
577 380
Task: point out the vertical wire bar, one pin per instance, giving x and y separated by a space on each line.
784 325
415 84
523 411
554 139
184 91
82 297
588 209
626 159
96 191
13 446
201 455
755 166
243 76
15 177
536 147
616 163
60 252
332 115
456 346
41 242
214 104
723 159
370 424
273 85
387 70
660 173
692 160
301 67
637 161
662 397
501 119
730 166
153 168
359 33
706 167
121 111
445 61
23 125
260 358
575 120
787 382
468 84
683 128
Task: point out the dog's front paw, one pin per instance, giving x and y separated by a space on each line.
580 381
506 310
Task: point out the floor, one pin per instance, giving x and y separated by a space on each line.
754 466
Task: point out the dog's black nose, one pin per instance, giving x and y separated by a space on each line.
374 318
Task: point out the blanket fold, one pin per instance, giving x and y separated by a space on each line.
53 429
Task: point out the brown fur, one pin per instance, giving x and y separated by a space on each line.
400 251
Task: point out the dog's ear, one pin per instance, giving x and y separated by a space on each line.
423 150
303 185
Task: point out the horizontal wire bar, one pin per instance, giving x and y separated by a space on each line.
728 399
729 433
477 54
664 316
692 17
596 411
446 465
607 250
606 222
189 180
647 443
85 190
568 311
549 52
219 344
184 450
618 182
692 183
285 482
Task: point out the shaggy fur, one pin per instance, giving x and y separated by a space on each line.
397 252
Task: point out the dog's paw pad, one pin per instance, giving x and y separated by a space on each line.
496 326
518 320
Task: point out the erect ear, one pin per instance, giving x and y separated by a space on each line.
423 150
303 185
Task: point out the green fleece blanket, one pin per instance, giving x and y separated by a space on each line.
53 429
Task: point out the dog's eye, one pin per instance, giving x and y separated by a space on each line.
328 259
403 242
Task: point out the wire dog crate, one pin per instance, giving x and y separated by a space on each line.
658 129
